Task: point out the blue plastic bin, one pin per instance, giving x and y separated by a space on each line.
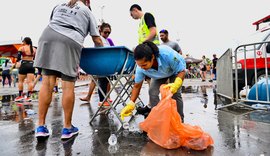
262 92
105 61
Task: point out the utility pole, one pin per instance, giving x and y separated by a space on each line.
101 12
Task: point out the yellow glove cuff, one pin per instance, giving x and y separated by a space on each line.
131 104
178 81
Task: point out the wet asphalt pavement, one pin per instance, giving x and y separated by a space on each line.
235 131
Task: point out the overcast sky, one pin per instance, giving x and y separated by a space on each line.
203 27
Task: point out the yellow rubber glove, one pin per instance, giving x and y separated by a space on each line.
175 86
127 110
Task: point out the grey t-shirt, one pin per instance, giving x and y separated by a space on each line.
79 18
173 45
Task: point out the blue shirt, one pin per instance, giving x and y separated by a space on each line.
169 61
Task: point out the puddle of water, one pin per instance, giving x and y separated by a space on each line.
15 111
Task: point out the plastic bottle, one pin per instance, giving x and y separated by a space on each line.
112 139
113 148
111 116
261 106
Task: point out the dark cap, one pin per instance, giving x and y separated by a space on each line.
164 31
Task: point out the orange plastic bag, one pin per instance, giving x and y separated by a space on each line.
164 127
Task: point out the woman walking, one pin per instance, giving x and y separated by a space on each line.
26 55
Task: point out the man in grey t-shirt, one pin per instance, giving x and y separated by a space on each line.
164 36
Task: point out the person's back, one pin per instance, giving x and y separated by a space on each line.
27 53
7 66
73 22
6 72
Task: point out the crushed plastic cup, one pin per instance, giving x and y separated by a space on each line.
126 125
30 112
112 139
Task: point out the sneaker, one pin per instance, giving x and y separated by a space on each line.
106 104
143 110
110 100
210 80
42 132
28 99
19 99
69 132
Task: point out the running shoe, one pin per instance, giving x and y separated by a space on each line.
28 99
19 99
42 132
69 132
110 100
106 104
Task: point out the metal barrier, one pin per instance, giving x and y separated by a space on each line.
243 67
224 75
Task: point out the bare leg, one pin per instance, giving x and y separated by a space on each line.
21 81
30 82
45 97
68 101
90 92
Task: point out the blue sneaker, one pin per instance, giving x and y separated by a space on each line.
42 132
69 132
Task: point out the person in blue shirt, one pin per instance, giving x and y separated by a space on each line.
160 63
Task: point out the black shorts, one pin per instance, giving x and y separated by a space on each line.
26 67
204 68
64 77
39 71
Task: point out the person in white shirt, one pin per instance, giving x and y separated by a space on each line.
6 72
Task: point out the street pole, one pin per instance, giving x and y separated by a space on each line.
101 9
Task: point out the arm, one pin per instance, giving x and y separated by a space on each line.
97 41
19 57
136 91
150 22
153 32
130 106
178 65
182 75
180 52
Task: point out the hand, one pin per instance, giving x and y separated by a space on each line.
175 86
127 110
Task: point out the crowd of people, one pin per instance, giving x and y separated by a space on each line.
58 54
200 70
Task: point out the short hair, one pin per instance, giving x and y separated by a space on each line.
164 31
135 6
